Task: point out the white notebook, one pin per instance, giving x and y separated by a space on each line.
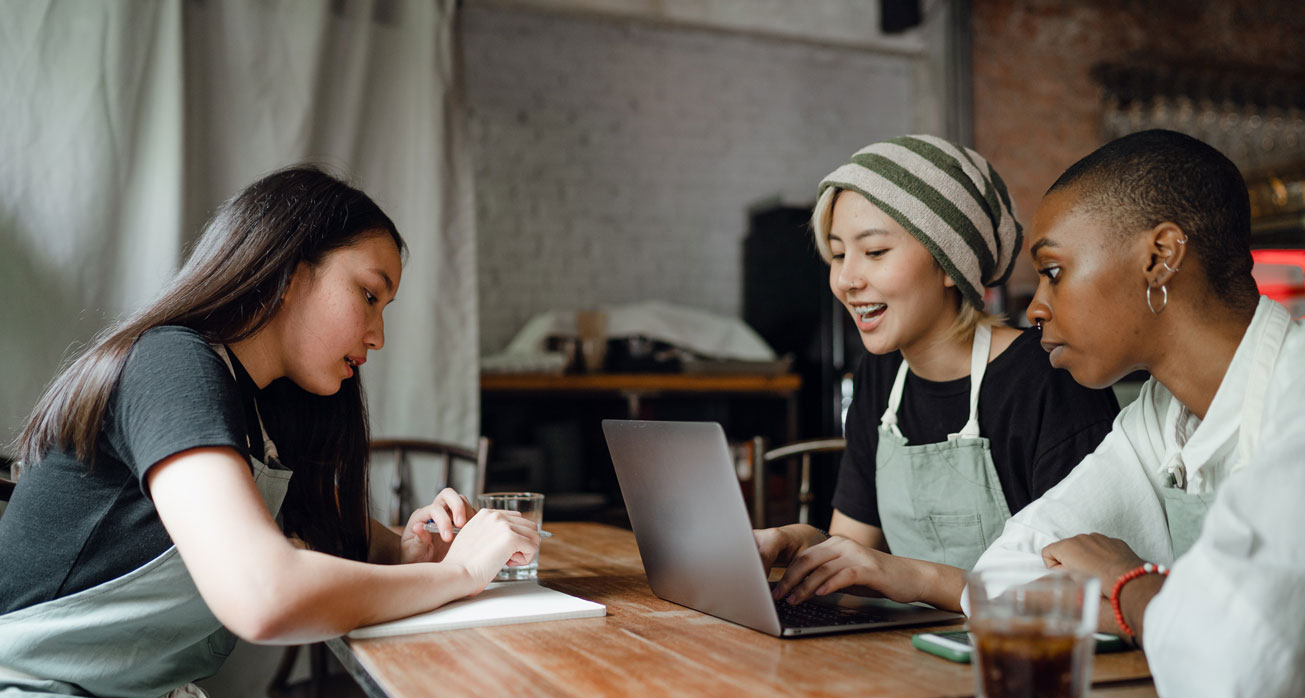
501 603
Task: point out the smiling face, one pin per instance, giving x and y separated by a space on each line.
331 316
1090 296
896 292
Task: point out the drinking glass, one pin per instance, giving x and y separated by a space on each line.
531 506
1032 638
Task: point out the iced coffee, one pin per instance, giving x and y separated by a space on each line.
1032 638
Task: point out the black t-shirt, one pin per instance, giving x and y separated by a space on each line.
1038 421
69 527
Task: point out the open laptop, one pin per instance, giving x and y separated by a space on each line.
696 541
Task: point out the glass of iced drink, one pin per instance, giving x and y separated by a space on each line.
1032 638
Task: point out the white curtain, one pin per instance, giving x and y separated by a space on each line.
126 123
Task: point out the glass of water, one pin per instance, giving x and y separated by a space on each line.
529 505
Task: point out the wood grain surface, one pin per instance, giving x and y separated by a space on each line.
647 646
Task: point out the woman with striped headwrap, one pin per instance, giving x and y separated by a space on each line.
957 421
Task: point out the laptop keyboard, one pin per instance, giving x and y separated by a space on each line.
815 615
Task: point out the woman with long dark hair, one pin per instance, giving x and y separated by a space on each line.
200 470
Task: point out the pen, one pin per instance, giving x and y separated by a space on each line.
430 526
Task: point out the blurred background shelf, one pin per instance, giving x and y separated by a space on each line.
547 433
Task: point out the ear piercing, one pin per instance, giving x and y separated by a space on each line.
1039 324
1165 262
1164 302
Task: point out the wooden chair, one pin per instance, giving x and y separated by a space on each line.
404 453
6 484
762 458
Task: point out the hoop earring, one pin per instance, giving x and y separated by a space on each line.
1164 302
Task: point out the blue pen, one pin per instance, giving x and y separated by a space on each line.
430 526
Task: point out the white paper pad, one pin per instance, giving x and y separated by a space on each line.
501 603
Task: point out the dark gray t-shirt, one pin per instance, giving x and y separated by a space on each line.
70 527
1039 423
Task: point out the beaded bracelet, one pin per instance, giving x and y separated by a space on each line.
1148 568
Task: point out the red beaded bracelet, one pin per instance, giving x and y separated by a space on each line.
1125 578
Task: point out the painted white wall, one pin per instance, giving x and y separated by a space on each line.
616 158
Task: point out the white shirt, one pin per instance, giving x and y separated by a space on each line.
1116 489
1230 619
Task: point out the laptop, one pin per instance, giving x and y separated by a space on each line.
695 538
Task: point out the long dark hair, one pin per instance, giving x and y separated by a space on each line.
230 287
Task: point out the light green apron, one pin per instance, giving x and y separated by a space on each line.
143 634
940 502
1185 512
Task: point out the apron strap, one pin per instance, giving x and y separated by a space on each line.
889 419
269 448
978 367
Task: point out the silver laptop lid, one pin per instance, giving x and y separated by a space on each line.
692 527
689 519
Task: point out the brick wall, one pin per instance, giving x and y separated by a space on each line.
615 160
1036 108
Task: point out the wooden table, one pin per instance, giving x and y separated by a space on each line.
647 646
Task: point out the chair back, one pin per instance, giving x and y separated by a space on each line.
439 455
802 450
7 485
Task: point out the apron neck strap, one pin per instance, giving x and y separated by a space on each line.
269 448
978 367
889 418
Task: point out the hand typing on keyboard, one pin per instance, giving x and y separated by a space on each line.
842 564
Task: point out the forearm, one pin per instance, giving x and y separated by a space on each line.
847 527
257 583
803 536
940 585
1106 619
307 596
1134 597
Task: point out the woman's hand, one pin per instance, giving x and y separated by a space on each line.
839 563
1107 559
449 509
1093 554
778 546
491 539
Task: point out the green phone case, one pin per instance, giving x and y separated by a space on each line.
920 642
1105 643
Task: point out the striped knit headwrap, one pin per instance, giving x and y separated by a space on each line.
946 196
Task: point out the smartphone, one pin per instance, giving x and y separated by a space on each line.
955 644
